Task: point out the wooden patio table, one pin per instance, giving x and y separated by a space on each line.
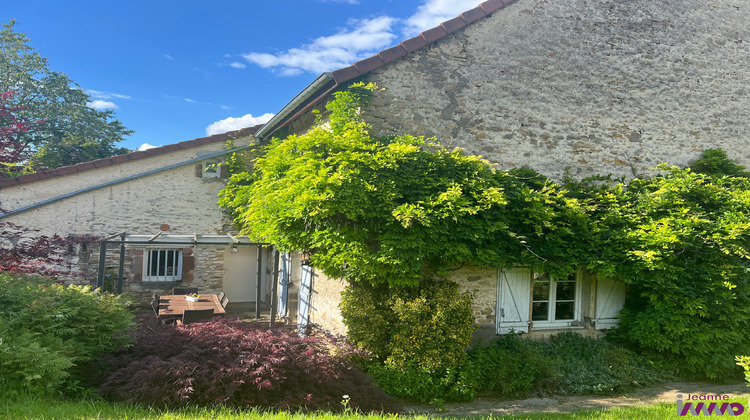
173 306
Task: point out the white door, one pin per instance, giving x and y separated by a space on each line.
241 274
513 300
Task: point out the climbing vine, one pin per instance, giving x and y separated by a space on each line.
394 210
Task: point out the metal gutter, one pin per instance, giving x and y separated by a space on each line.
119 181
311 89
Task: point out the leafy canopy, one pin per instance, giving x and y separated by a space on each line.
385 209
66 131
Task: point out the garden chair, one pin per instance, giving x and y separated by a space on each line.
184 290
221 295
196 315
225 302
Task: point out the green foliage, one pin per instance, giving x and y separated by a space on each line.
425 385
715 162
744 362
66 131
49 332
567 364
680 243
384 210
427 327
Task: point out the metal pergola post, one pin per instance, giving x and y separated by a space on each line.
260 278
121 268
275 287
102 260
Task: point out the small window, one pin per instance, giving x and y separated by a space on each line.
163 265
555 301
212 169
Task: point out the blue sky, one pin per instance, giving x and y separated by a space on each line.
178 70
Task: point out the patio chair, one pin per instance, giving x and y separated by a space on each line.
184 290
225 302
196 315
155 304
221 295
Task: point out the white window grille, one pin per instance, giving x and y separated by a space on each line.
163 264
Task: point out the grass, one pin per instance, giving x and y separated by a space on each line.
49 409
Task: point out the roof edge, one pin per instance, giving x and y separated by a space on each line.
380 59
140 154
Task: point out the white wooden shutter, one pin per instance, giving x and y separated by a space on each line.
513 300
610 298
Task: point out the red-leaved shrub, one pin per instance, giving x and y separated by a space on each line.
239 364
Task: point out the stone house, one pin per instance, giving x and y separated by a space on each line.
160 205
566 87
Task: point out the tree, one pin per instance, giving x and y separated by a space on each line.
66 131
12 126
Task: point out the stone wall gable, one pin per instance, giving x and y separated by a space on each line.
579 88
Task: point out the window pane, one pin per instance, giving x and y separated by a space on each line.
564 310
566 290
170 263
541 290
539 311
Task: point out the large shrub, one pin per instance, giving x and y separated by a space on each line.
238 364
48 333
419 334
680 242
566 364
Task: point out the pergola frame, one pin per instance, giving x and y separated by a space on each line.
187 240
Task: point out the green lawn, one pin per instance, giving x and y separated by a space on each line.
40 408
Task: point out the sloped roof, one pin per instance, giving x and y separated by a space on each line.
85 166
338 77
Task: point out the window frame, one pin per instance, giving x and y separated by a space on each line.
550 322
162 278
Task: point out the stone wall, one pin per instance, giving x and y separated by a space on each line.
324 310
575 87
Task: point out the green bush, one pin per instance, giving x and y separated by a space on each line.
49 332
513 367
567 364
418 334
426 327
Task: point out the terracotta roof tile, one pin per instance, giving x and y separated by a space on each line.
8 182
137 155
101 162
347 73
432 35
392 53
473 15
66 170
413 44
493 5
155 151
27 178
364 66
454 24
121 158
84 166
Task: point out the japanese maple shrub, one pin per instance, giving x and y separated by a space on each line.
238 364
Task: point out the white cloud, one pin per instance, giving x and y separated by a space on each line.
237 65
342 1
146 146
231 123
434 12
168 57
99 104
98 94
361 39
188 100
